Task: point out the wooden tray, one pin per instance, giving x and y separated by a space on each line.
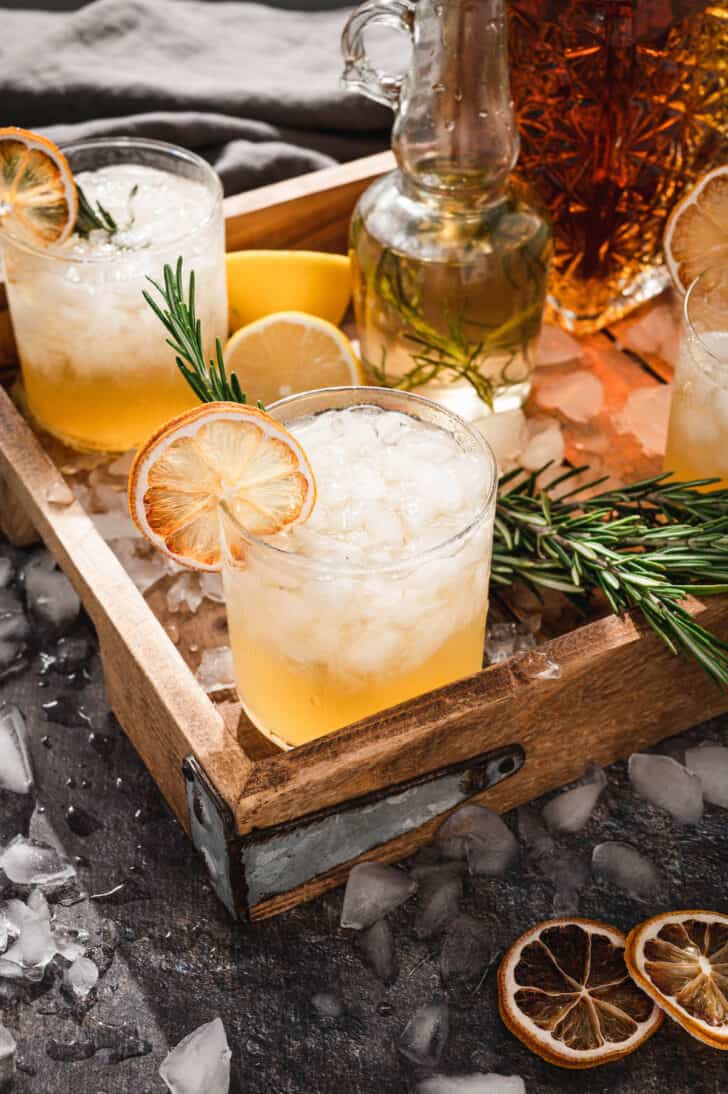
278 828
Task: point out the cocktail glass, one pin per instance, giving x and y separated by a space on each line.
95 371
697 439
346 615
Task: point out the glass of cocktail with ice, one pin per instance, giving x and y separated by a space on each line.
95 371
382 593
697 439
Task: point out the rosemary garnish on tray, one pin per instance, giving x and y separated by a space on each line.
646 546
208 380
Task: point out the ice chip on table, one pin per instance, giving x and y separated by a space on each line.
439 892
507 435
7 1056
621 865
668 785
423 1039
570 811
478 834
50 596
545 445
472 1084
211 587
16 768
60 494
81 977
114 524
28 862
327 1004
578 396
504 640
467 951
555 346
33 948
645 415
144 565
534 833
200 1064
215 670
373 890
184 590
710 763
376 945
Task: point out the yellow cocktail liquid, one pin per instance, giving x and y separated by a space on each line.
294 703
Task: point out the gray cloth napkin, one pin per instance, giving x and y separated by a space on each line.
253 89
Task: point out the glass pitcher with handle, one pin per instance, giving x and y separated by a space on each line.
450 260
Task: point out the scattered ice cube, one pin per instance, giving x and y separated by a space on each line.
479 835
200 1064
578 396
16 769
472 1084
507 435
184 590
439 892
655 331
7 1057
545 445
467 952
27 862
534 833
503 640
215 670
710 763
327 1004
645 415
570 811
621 865
50 596
423 1039
81 977
144 566
376 945
34 947
555 346
211 587
60 494
373 890
668 785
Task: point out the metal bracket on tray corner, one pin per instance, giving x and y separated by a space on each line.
212 828
278 859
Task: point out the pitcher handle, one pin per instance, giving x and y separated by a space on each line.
360 74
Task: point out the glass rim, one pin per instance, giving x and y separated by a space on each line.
690 325
174 151
335 566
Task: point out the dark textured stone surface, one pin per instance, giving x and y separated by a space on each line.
171 959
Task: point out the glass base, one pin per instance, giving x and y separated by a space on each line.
462 399
650 283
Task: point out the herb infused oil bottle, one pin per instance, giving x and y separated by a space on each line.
449 259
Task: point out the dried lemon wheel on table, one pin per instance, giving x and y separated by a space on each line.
681 960
38 197
290 352
696 235
564 990
219 453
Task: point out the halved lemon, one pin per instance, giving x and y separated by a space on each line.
696 234
38 199
217 453
564 990
681 960
290 352
262 282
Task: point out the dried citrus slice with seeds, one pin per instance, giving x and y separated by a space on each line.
681 960
696 234
38 198
564 990
219 453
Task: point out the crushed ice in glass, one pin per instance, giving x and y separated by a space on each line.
372 891
200 1064
668 785
423 1039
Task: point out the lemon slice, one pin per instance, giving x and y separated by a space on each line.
38 199
564 990
290 352
220 453
263 282
681 960
696 235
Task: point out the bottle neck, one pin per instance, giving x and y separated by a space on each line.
455 129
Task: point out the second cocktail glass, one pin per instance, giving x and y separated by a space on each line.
382 594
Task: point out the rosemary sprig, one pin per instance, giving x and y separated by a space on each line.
646 546
98 218
208 380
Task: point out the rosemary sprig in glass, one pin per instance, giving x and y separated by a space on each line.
96 218
646 546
